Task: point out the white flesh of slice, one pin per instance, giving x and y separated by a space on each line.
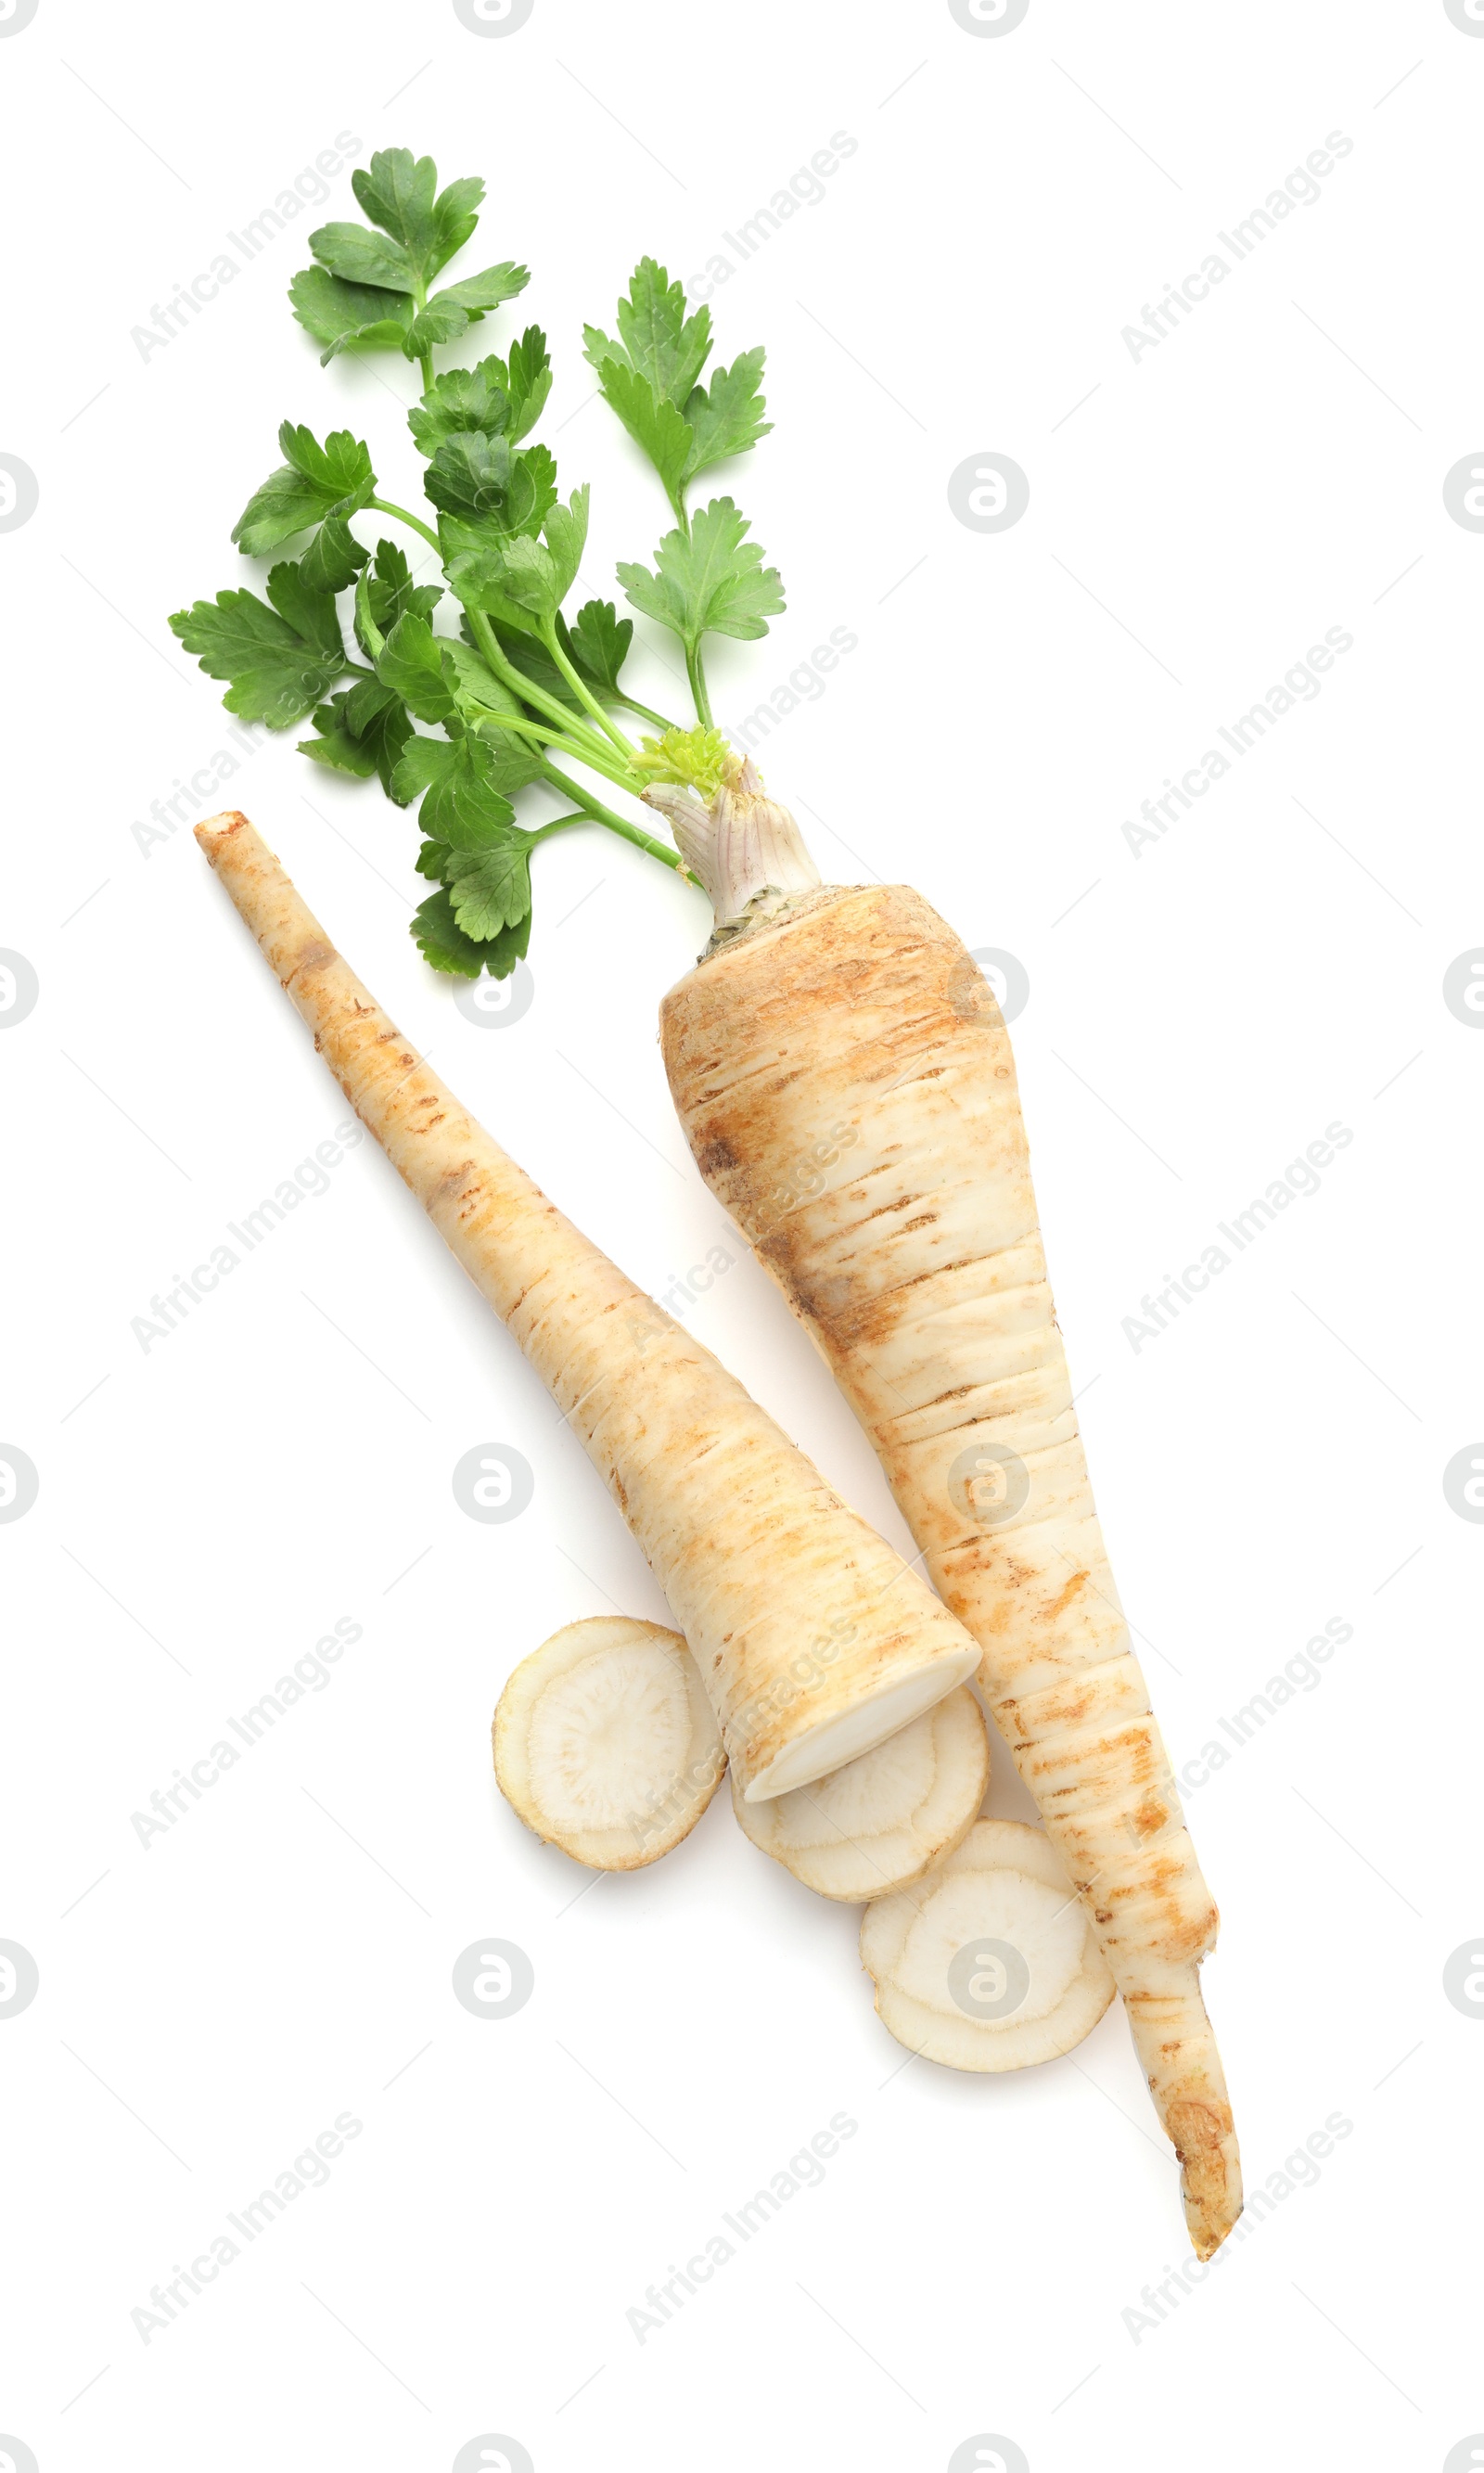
990 1962
605 1744
882 1820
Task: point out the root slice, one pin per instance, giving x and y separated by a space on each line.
992 1962
604 1743
885 1820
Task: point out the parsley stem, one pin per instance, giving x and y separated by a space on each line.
647 712
524 726
580 688
697 677
601 815
581 740
558 824
385 507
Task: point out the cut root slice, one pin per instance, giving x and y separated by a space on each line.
605 1744
884 1819
991 1963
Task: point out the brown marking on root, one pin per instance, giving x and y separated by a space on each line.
715 1156
1074 1585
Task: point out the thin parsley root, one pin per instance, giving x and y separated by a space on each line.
814 1638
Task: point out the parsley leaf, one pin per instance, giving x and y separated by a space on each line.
462 401
726 419
490 888
360 257
469 473
486 290
598 642
334 557
411 663
398 194
712 579
457 781
338 314
277 675
361 733
314 481
652 421
391 594
658 340
526 380
442 942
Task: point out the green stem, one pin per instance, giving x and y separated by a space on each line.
557 825
601 815
697 677
584 741
522 726
385 507
580 688
647 712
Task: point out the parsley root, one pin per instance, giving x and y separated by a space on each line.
814 1638
851 1030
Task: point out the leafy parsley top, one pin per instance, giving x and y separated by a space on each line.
523 689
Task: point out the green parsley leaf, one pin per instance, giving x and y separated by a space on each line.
277 675
314 481
360 257
337 745
439 322
398 193
658 339
411 663
456 781
442 942
469 473
526 380
310 614
334 557
652 421
726 419
392 592
454 218
474 293
711 581
462 401
338 314
490 888
380 721
598 643
431 861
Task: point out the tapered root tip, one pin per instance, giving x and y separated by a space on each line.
1210 2174
213 831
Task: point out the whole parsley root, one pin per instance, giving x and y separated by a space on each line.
814 1638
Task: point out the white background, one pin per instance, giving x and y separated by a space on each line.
1198 1015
